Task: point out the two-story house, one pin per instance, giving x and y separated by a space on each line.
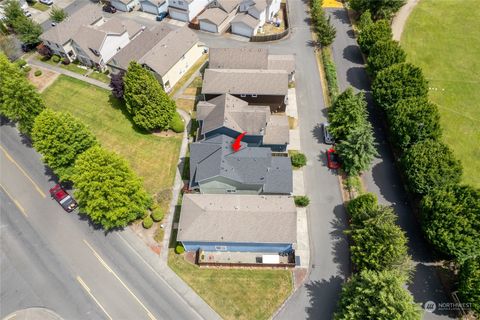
260 10
217 17
186 10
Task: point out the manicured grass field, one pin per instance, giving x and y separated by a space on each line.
442 37
154 158
239 294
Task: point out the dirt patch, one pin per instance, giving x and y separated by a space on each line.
147 235
167 133
43 81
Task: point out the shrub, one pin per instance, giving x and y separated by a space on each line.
66 61
372 33
38 73
27 69
469 288
362 203
157 214
55 58
179 249
302 201
384 54
298 160
177 124
330 75
21 63
147 222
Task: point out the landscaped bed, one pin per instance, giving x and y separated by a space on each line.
154 158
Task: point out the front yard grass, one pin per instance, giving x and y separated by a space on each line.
239 294
441 37
154 158
40 6
99 76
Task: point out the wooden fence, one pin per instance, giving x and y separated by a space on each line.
276 36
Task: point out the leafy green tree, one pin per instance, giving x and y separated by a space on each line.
376 295
58 14
384 54
469 288
413 120
430 164
365 20
107 190
148 104
60 138
363 203
358 150
451 220
19 100
372 33
316 10
13 12
397 82
383 9
29 31
348 111
325 31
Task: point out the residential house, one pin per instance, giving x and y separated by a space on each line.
260 10
95 45
216 168
245 25
231 116
238 223
124 5
217 17
186 10
59 39
167 52
154 6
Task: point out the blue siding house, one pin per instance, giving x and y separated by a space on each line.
238 223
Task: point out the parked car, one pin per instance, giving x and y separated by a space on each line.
162 16
47 2
63 198
27 13
333 162
109 8
327 137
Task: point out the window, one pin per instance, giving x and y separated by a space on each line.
221 248
180 3
254 95
231 191
243 95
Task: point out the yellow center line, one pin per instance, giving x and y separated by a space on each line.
150 315
19 206
9 157
87 289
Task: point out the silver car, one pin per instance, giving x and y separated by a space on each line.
327 137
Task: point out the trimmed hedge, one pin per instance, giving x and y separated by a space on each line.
298 160
55 58
38 73
177 124
301 201
330 75
147 222
157 214
362 203
179 249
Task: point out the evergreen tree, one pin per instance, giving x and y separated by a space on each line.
348 111
372 33
384 54
58 14
469 288
383 9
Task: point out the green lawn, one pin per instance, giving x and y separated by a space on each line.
40 6
442 37
240 294
99 76
154 158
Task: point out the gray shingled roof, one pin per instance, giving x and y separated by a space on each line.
229 5
165 54
233 113
214 15
277 130
238 218
260 5
245 81
139 46
246 19
250 165
238 58
90 38
281 62
115 25
65 30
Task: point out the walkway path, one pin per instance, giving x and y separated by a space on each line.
401 17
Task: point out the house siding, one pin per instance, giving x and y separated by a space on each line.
237 247
124 7
112 45
196 7
273 9
182 66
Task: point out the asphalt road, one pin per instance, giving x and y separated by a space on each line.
383 178
70 9
56 260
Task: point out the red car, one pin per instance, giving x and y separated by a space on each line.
63 198
333 162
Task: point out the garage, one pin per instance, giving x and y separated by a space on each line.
207 25
178 14
211 19
244 25
151 6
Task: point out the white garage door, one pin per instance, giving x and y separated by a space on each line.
242 29
148 7
178 15
208 26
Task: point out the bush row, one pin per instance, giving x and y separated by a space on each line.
323 28
330 75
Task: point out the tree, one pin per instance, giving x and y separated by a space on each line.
29 31
365 20
384 9
60 138
397 82
372 33
325 31
13 12
348 111
19 100
58 14
363 203
413 120
316 10
107 190
384 54
151 108
10 46
451 220
469 288
430 164
116 83
376 295
358 150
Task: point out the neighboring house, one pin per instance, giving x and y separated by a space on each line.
95 45
154 6
231 116
124 5
245 25
233 223
217 17
59 38
216 168
167 53
186 10
256 13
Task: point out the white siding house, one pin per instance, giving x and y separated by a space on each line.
154 6
186 10
124 5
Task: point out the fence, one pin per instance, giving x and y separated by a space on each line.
276 36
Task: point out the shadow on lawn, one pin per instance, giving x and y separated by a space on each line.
118 104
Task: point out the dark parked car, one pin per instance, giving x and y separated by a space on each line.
327 137
162 16
333 162
63 198
109 8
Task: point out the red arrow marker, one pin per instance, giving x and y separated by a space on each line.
236 143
